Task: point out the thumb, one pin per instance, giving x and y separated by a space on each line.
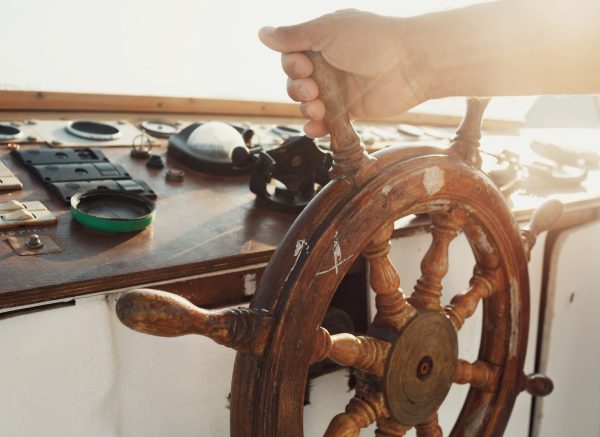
296 38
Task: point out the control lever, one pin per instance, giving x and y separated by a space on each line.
298 164
533 176
573 156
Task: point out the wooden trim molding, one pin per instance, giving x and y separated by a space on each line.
57 101
34 101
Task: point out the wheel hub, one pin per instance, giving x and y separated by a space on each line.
421 368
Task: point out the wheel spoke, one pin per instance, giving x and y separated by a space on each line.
466 142
434 265
361 411
431 428
388 427
363 352
485 252
392 308
479 374
462 306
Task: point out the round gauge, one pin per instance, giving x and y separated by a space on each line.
9 132
214 141
93 130
160 129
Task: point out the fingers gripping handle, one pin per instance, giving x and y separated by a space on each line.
332 92
348 154
168 315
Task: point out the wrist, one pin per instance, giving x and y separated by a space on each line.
429 47
466 51
413 65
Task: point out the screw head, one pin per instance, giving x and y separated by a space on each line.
34 242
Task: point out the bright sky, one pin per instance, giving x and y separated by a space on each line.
177 47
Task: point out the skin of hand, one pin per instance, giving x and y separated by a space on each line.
499 48
362 45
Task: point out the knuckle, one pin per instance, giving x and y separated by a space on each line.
294 89
296 65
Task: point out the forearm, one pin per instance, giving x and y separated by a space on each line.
505 48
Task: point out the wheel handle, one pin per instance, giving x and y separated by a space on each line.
350 159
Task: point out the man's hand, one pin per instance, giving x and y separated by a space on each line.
365 47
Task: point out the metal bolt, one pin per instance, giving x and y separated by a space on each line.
34 242
175 175
296 161
155 161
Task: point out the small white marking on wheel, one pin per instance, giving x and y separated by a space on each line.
301 245
340 262
433 180
337 257
249 284
337 253
483 243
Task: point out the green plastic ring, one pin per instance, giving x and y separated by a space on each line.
112 210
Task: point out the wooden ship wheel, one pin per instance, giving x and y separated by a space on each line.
408 360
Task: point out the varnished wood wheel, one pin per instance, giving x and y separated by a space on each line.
409 359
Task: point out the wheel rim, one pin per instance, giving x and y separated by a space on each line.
403 188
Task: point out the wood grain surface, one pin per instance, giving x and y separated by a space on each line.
205 224
60 101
